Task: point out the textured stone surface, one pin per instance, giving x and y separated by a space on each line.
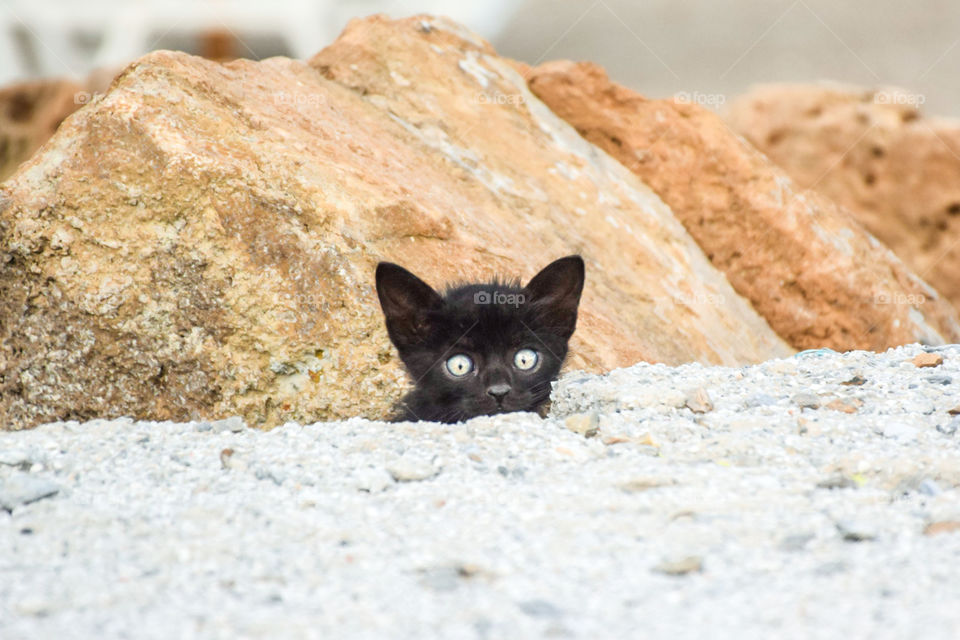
873 152
29 114
803 262
200 241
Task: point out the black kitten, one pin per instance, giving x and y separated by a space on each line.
480 349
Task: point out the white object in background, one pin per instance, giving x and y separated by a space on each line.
52 32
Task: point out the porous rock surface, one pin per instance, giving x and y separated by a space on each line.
200 241
874 152
771 514
809 268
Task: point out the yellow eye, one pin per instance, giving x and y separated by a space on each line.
526 359
459 365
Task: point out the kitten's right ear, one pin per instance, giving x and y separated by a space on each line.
406 301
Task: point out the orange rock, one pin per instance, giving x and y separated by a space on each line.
944 526
927 360
817 277
873 152
845 405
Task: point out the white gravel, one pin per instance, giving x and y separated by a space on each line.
749 518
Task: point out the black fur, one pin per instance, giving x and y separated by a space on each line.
487 322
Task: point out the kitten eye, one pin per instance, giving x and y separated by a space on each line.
459 365
526 359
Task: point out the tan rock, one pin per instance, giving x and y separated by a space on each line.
29 114
942 526
873 152
927 360
845 405
817 277
200 241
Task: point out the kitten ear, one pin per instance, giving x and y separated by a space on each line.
406 301
557 289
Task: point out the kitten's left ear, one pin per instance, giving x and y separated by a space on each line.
557 288
406 301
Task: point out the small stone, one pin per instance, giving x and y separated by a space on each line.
838 481
233 423
23 488
796 542
845 405
638 485
927 360
955 411
539 609
230 460
855 381
760 400
806 400
682 567
583 423
15 458
411 469
899 431
614 439
372 479
944 380
855 532
698 401
949 428
942 526
929 488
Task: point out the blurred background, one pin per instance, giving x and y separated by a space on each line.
660 47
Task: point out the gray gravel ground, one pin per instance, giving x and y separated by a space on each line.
625 514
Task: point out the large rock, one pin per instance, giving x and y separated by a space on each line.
810 269
201 240
29 114
875 153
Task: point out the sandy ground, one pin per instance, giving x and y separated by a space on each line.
812 497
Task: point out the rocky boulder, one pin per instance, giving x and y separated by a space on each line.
807 266
875 153
200 241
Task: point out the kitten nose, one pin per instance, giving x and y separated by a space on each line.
498 391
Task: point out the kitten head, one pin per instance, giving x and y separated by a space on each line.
480 349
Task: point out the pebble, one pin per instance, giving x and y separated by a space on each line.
681 567
698 401
852 531
15 458
373 479
845 405
23 488
949 428
410 468
927 360
584 424
234 424
943 526
806 400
